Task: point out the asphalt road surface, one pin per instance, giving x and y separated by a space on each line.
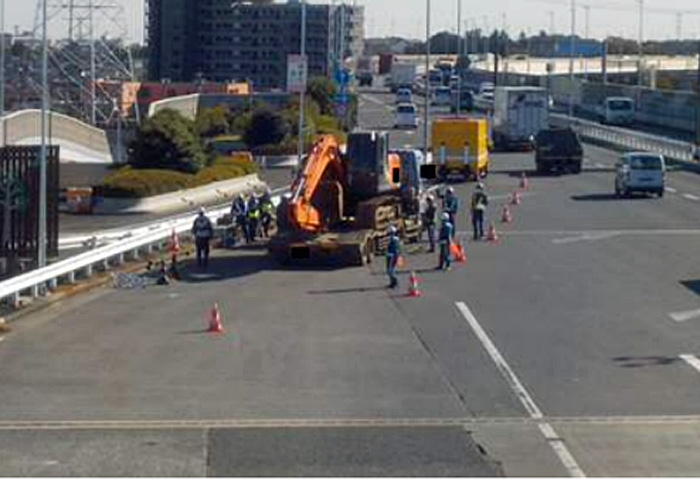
569 347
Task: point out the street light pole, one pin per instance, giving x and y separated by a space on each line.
41 247
2 60
459 55
572 46
302 92
641 42
426 119
93 71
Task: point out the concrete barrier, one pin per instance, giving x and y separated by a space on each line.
180 200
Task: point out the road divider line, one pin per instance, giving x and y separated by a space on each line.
690 197
551 436
693 361
671 190
682 316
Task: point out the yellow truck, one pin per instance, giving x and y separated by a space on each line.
460 147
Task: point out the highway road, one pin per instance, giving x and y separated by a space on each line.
570 347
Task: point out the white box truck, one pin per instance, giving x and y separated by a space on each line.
519 113
403 75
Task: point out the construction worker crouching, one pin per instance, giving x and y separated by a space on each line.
203 232
445 239
392 256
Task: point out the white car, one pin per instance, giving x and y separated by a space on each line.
640 172
442 96
404 95
406 116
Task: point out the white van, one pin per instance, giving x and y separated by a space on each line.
406 116
616 110
640 172
442 96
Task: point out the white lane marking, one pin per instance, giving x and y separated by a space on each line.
671 190
375 101
585 237
599 165
682 316
690 197
692 360
553 439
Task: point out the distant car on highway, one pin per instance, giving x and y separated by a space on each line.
442 96
406 116
640 172
616 110
558 149
463 99
404 95
486 91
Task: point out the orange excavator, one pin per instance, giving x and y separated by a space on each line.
342 204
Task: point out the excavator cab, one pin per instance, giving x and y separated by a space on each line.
371 170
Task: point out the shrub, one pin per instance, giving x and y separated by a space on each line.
132 183
266 127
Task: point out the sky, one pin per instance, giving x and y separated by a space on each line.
407 17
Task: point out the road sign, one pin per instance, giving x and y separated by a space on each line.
342 98
296 73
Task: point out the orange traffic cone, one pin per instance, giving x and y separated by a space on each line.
492 236
174 246
524 183
459 253
515 198
413 289
506 217
215 325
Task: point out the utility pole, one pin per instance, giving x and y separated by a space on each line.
572 46
697 99
2 63
93 74
586 34
302 92
641 43
426 119
41 247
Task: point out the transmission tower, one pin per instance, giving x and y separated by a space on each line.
91 59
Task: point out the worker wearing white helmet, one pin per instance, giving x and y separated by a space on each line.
393 252
450 205
429 218
445 239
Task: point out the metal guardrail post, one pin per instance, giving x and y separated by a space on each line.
70 277
88 270
53 284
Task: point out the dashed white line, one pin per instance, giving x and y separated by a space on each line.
599 165
692 360
553 439
671 190
683 316
690 197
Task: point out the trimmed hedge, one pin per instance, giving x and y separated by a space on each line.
132 183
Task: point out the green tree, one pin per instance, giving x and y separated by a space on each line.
168 141
322 91
266 127
212 122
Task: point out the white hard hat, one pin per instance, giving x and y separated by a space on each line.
430 198
393 230
450 190
202 210
480 185
445 216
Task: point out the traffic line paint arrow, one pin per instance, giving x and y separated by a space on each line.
683 316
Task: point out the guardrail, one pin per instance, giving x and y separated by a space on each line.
619 138
142 239
624 138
